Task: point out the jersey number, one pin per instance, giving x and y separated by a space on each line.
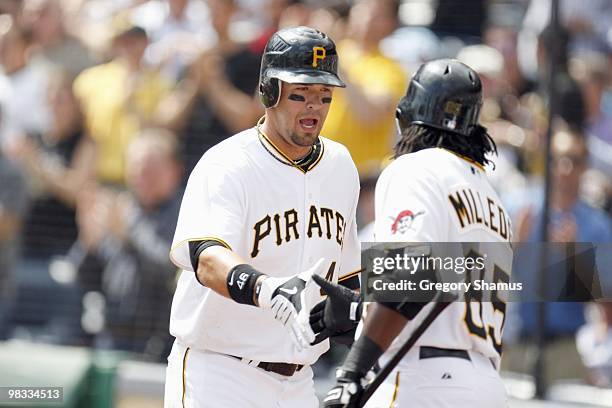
329 276
473 300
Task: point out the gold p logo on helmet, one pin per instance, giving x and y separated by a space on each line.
318 53
452 108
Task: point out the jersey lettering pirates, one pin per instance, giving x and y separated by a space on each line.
434 195
280 217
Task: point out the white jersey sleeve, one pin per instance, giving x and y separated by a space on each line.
409 204
213 208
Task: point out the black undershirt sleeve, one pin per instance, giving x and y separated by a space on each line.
196 248
362 356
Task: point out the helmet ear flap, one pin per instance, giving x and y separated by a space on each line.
402 114
269 91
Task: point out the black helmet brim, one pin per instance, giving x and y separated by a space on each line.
303 76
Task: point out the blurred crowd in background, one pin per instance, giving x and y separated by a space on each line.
107 105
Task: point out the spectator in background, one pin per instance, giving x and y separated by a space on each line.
13 8
572 220
13 205
323 15
292 13
594 343
592 72
47 21
118 99
361 115
328 16
274 10
365 206
570 104
127 237
508 118
218 97
179 31
23 84
504 39
588 23
58 163
464 19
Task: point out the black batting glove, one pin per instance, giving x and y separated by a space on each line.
338 315
346 393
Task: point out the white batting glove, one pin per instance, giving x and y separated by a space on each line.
287 297
301 333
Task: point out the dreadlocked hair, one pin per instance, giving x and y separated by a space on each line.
475 147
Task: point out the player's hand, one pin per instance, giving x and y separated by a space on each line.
346 393
336 315
286 297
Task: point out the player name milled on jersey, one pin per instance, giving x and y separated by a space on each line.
478 211
322 221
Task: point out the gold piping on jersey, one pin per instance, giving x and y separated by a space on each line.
351 280
465 322
267 143
279 155
184 369
467 159
349 275
318 158
395 390
219 240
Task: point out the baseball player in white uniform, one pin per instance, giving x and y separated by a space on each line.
262 212
435 190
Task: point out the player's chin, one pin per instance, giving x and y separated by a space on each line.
307 136
305 139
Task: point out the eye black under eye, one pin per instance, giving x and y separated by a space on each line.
327 99
296 97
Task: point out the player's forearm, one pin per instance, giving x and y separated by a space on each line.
383 324
228 275
214 264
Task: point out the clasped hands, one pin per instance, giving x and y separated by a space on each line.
290 301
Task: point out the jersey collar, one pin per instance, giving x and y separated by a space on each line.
467 159
304 165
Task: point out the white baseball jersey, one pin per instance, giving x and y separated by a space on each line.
280 218
434 195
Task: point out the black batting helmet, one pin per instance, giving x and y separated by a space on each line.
443 94
300 55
